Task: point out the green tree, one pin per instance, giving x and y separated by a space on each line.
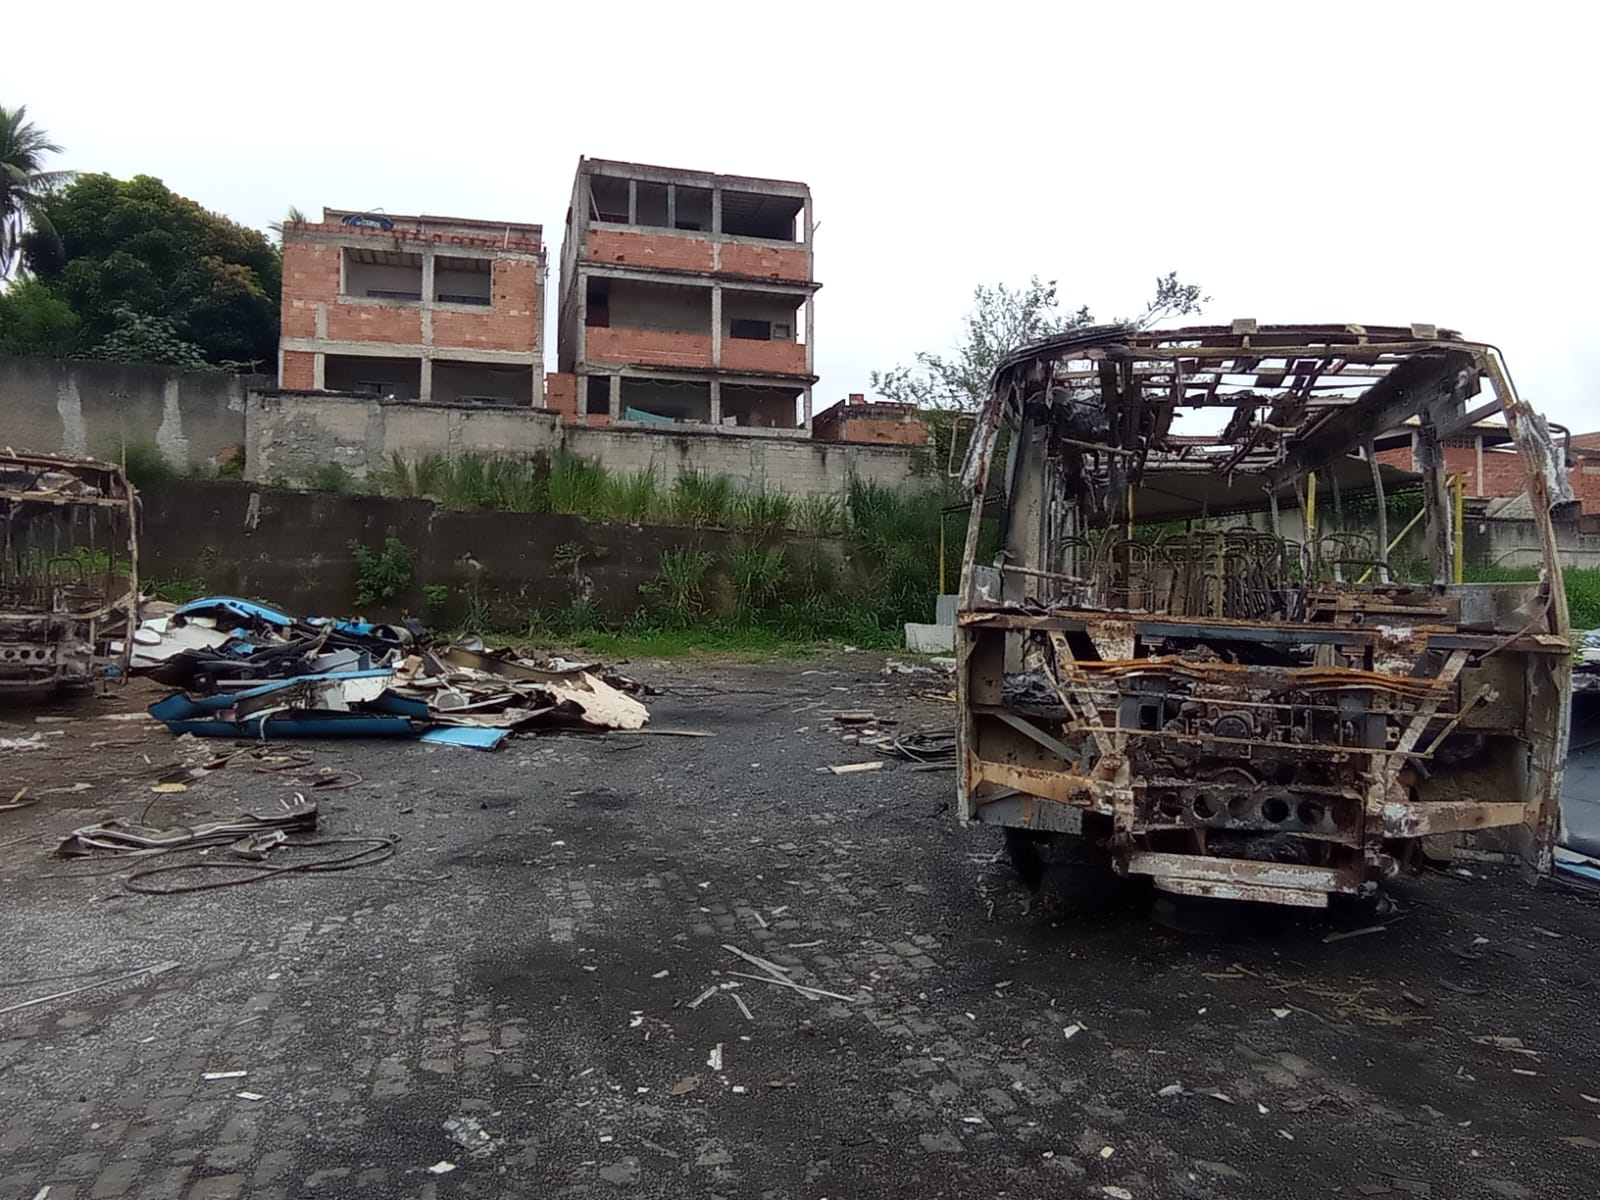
143 266
1003 318
24 184
34 320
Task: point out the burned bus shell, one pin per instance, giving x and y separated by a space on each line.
1246 708
69 587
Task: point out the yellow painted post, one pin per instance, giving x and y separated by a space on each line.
1458 531
943 591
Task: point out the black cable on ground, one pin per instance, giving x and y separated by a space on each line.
922 746
374 850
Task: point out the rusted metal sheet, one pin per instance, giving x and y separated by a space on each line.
1236 711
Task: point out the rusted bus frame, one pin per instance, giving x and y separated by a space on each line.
1244 351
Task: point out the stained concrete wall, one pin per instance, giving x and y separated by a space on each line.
291 434
293 550
81 409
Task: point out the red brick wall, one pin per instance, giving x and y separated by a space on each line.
512 323
893 431
299 370
1502 472
310 277
645 250
648 347
781 358
375 323
769 262
561 394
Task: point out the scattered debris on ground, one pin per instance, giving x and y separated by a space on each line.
246 670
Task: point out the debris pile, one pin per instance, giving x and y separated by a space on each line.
246 670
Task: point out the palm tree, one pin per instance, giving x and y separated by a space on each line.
23 185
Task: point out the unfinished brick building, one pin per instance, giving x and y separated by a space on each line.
414 308
1486 459
687 298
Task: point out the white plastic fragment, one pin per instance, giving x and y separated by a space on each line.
443 1167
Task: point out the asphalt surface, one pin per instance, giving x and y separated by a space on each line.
542 965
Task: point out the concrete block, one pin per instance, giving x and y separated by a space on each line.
930 639
944 610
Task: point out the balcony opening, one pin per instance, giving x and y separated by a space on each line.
650 204
751 214
392 275
666 401
384 378
463 280
597 305
693 208
481 383
597 395
761 316
608 199
663 307
760 407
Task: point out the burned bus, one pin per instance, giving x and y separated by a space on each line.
69 587
1194 657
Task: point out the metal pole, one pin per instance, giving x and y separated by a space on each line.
1383 515
1459 557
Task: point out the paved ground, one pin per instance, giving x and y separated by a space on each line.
534 957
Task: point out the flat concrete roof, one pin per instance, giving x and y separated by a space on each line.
630 170
332 216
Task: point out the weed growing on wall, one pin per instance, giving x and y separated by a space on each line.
382 575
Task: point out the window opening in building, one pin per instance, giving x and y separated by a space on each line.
755 331
608 199
597 395
597 305
462 280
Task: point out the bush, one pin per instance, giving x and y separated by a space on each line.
382 575
145 463
678 590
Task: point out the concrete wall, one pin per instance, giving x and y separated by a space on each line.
290 434
292 550
659 306
90 408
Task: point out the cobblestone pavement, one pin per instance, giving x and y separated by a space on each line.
545 958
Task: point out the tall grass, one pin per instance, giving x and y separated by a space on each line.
632 498
578 486
700 498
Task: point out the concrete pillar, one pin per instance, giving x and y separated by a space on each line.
425 384
811 335
633 202
616 398
319 374
716 402
716 324
808 408
428 294
672 206
716 211
1477 443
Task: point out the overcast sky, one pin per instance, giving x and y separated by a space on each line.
1381 163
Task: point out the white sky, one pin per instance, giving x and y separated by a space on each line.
1370 162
